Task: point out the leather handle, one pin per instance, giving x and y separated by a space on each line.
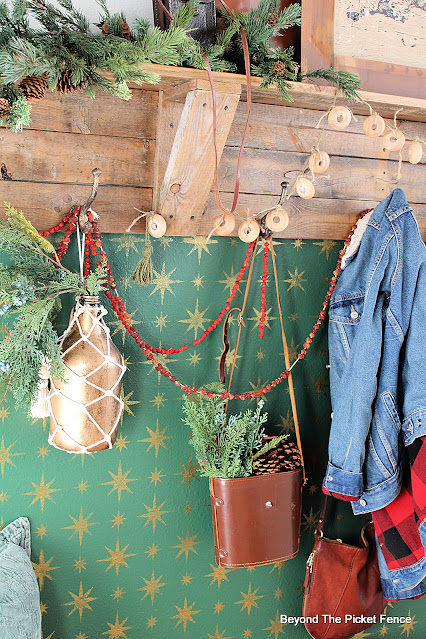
318 529
222 359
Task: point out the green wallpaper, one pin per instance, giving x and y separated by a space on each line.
122 541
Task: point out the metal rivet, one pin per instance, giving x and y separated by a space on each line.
268 504
223 553
330 478
219 502
362 502
205 104
225 108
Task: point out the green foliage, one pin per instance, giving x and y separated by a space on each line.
348 83
31 287
224 446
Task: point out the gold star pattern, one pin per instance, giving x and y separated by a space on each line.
154 514
118 520
310 521
319 386
4 413
383 630
185 614
161 321
156 476
187 545
42 492
127 242
80 525
217 635
117 557
295 280
41 531
80 564
158 400
247 634
162 359
298 244
118 593
152 551
5 455
119 481
408 626
198 281
82 487
259 355
258 314
326 246
361 635
3 496
156 439
128 402
218 574
275 628
120 328
194 358
188 508
229 280
257 387
165 241
186 579
43 608
151 622
152 587
43 569
287 423
126 281
117 629
121 442
43 451
200 244
249 600
229 359
80 601
189 472
196 320
162 282
278 593
218 607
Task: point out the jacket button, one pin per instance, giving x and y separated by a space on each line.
330 478
362 502
268 504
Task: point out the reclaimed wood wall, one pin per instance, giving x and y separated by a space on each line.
51 163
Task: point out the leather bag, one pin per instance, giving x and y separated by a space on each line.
343 591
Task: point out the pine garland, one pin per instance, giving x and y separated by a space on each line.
225 446
30 292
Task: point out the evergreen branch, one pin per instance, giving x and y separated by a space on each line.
347 83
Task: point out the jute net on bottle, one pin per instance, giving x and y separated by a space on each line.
86 406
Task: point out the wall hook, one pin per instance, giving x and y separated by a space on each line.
83 219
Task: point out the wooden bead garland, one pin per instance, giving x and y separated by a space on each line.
394 140
224 225
249 231
277 220
415 152
157 225
319 161
339 117
304 188
374 126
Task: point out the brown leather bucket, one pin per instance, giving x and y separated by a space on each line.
256 520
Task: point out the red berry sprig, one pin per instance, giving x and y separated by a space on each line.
263 288
120 310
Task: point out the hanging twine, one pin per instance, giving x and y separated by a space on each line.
143 273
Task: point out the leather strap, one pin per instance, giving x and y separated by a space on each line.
287 365
318 529
222 359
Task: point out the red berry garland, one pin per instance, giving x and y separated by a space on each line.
93 242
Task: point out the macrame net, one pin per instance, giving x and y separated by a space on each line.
96 315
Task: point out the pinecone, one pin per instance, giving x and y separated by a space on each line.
273 19
65 84
125 29
4 107
279 67
284 457
33 86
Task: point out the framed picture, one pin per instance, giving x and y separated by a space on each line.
382 41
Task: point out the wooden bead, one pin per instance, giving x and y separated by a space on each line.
157 225
277 220
374 126
249 231
339 117
415 152
304 188
319 161
394 140
227 224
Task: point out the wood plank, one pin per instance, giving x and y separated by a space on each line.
46 204
319 218
292 129
45 156
317 34
189 173
107 114
347 178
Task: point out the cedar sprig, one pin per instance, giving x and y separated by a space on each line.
348 83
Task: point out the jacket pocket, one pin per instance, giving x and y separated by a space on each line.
345 315
383 441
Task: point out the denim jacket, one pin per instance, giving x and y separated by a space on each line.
377 337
